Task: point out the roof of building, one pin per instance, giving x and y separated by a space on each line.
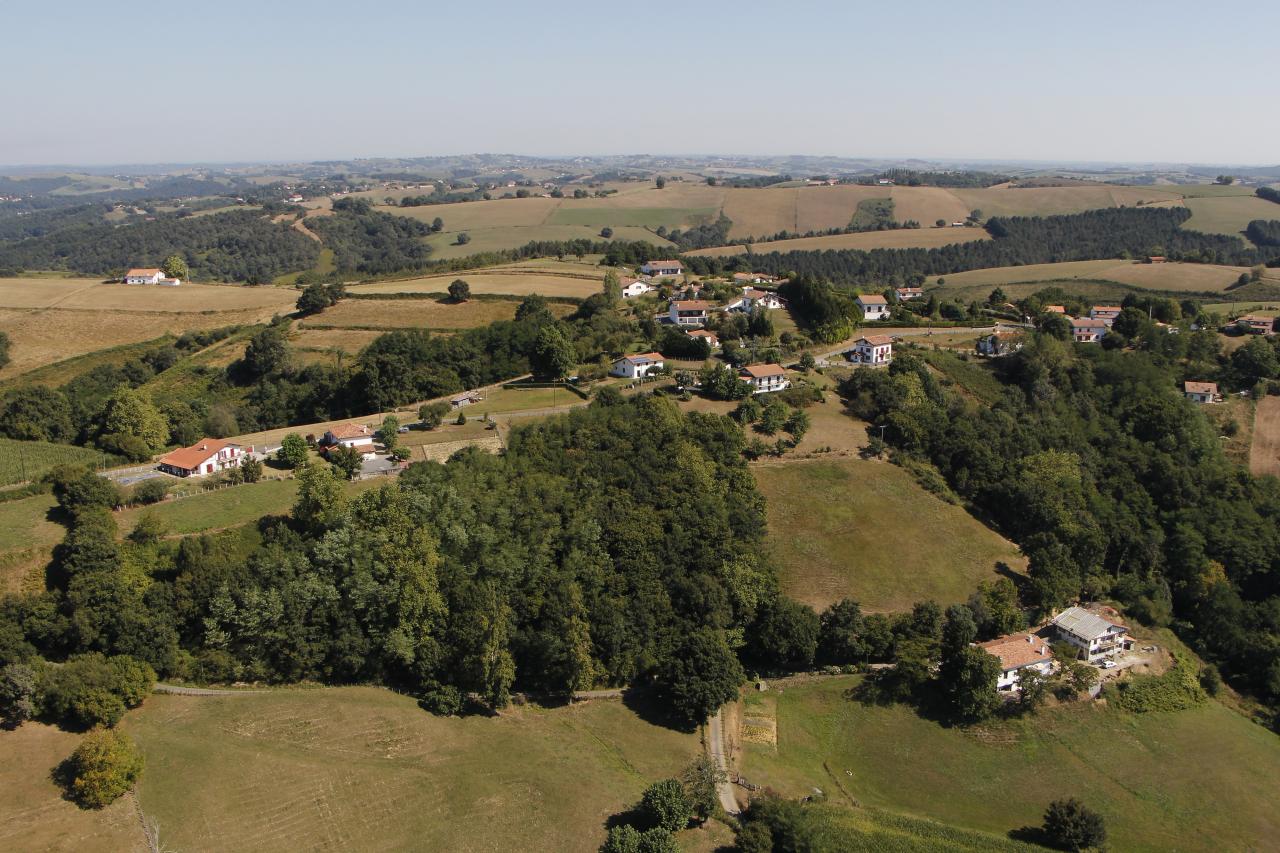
910 290
703 333
343 431
875 340
759 371
872 299
1086 323
465 395
1115 308
147 271
641 358
1085 623
1200 387
1055 309
1018 650
1251 319
664 264
190 458
693 305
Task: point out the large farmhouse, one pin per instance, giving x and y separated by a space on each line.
638 366
149 275
1094 636
206 456
873 349
662 269
1087 331
764 378
690 312
1018 653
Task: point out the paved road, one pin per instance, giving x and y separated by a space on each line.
716 749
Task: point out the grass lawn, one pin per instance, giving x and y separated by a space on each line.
25 461
1228 214
509 400
1202 779
868 531
27 537
365 768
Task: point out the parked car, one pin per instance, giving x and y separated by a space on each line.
403 429
1108 664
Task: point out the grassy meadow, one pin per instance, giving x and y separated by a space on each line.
514 281
27 536
366 768
902 238
1196 780
1264 452
866 530
417 313
1228 214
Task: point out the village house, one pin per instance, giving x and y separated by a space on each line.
1201 392
873 306
1095 637
1000 343
633 287
1105 313
690 312
752 299
662 268
709 337
1255 325
150 275
206 456
358 436
753 278
872 349
1156 259
1018 653
764 378
637 366
908 293
1054 309
1087 331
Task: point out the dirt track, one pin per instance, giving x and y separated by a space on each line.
1264 455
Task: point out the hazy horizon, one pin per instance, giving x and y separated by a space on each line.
259 83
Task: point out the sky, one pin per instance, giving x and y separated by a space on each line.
95 83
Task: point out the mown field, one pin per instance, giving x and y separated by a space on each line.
364 768
1197 780
1228 214
519 281
903 238
1171 277
417 313
52 319
27 536
867 531
1264 453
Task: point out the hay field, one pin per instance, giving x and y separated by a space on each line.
417 313
928 204
1048 201
364 768
513 281
349 341
1228 214
903 238
1164 277
1264 453
467 215
866 530
514 236
643 217
33 814
52 319
1194 780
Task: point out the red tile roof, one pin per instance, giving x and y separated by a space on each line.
760 371
1201 387
1018 650
347 431
875 340
190 458
872 299
642 357
142 272
693 305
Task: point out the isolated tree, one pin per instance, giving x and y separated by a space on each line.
437 224
293 450
1032 690
251 470
807 362
975 215
461 419
432 415
606 232
459 290
796 425
130 412
773 418
1072 826
997 297
105 765
389 432
314 299
554 356
666 805
660 182
175 266
346 459
463 238
267 353
612 288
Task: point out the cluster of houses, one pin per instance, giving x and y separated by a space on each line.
215 455
150 275
763 378
1097 641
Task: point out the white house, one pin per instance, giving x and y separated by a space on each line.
1018 653
1201 392
633 287
873 349
753 278
908 293
1105 313
765 377
752 299
149 275
709 337
206 456
637 366
1095 637
662 268
1087 331
358 436
690 312
873 306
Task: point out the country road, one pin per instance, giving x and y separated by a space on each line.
716 749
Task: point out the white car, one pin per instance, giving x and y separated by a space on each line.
1108 664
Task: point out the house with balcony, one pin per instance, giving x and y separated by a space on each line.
764 378
206 456
1094 637
1106 313
872 350
905 294
1255 325
633 287
690 312
752 299
1018 654
1087 331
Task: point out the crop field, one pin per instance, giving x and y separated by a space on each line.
1264 454
513 281
444 245
866 530
417 313
1172 277
53 319
1228 214
903 238
349 341
644 217
24 461
33 813
1147 774
365 768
